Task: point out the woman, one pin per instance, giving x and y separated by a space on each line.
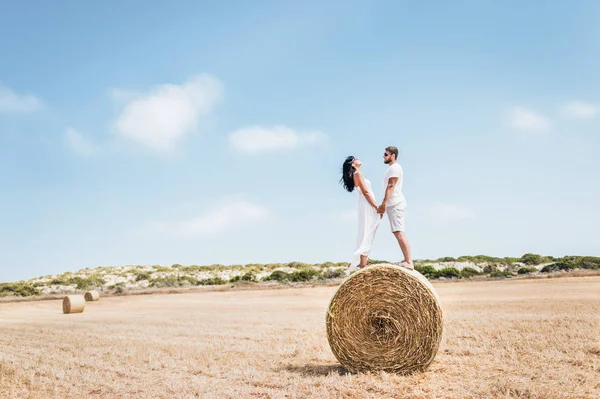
368 218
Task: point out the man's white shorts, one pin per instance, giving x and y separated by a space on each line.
396 217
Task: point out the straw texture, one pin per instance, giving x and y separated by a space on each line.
73 304
385 317
92 296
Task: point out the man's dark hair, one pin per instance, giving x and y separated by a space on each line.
392 150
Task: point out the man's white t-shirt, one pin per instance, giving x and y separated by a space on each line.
397 197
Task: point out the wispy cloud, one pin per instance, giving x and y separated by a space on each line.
527 120
443 213
11 102
162 116
78 143
257 139
581 110
216 221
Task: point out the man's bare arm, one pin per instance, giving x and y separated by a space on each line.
388 193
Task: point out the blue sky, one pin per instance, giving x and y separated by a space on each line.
197 133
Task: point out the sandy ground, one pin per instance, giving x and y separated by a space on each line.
502 339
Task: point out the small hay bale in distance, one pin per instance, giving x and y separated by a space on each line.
385 318
92 296
73 304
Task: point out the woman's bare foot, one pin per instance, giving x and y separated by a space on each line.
407 265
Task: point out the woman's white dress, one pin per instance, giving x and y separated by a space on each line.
368 222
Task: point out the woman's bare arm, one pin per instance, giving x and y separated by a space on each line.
359 181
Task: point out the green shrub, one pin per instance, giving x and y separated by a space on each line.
501 274
117 285
446 259
583 262
527 270
448 272
531 259
488 259
427 271
86 283
142 276
167 281
305 275
588 262
555 267
277 275
18 289
469 272
212 281
297 276
249 276
489 269
334 273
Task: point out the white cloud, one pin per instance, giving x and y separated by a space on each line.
78 143
443 213
10 102
257 139
528 120
581 110
161 117
217 221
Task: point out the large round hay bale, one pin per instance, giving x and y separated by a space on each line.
73 304
92 296
385 317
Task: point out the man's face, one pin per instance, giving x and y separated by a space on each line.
387 157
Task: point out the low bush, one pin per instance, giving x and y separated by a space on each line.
469 272
448 272
277 275
297 276
489 269
249 276
531 259
167 281
87 283
305 275
501 274
18 289
558 266
427 271
526 270
140 276
212 281
334 273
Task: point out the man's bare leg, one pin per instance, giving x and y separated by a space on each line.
363 261
404 246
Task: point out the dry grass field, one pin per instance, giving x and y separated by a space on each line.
502 339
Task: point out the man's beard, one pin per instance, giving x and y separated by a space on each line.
387 161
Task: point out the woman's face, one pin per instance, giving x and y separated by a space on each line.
356 163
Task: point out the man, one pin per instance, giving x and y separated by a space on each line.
394 203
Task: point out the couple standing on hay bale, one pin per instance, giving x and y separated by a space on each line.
370 214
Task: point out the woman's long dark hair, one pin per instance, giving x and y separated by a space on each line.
347 179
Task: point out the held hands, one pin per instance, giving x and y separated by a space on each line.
380 210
